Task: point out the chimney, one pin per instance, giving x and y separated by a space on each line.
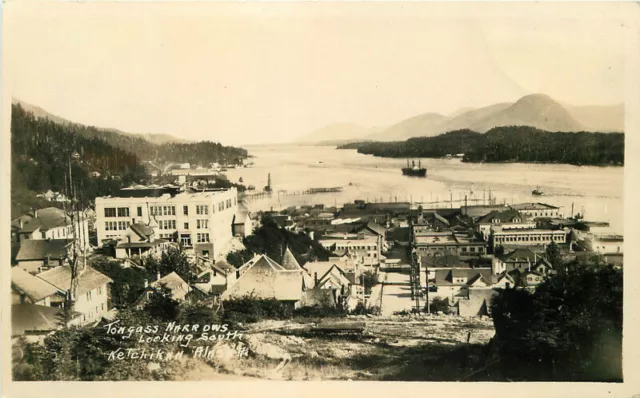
315 278
158 276
146 283
35 214
21 223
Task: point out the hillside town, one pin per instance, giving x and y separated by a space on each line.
387 258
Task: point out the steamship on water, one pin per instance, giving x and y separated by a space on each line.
413 170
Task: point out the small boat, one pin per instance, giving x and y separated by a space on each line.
241 180
537 192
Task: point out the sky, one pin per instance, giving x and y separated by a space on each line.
250 73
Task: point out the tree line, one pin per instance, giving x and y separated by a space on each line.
508 144
101 161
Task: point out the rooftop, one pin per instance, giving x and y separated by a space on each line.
179 288
88 279
265 278
47 218
33 287
289 261
533 206
39 249
527 231
503 216
167 193
435 238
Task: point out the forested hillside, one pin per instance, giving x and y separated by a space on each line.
202 153
528 144
43 150
508 144
460 141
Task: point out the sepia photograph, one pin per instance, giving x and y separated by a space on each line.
363 191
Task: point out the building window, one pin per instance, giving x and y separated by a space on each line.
100 290
168 210
123 212
88 295
102 306
109 211
202 209
110 226
203 237
202 224
185 240
205 253
186 225
167 224
139 211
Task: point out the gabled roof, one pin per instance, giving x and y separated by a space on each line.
50 217
504 216
445 277
335 274
520 254
15 223
267 279
88 279
179 288
33 287
142 230
289 261
39 249
377 228
524 255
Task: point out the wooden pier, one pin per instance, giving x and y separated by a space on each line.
283 193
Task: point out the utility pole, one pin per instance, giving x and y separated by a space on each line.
426 282
465 205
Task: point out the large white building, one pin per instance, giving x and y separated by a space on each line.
200 221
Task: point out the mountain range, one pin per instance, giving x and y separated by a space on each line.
535 110
157 139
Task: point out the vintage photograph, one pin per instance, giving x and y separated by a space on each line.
315 192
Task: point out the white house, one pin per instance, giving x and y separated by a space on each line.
54 223
90 296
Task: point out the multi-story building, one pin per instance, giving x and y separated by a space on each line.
536 210
365 248
503 220
200 221
527 237
448 243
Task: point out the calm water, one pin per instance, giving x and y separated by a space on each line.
597 190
